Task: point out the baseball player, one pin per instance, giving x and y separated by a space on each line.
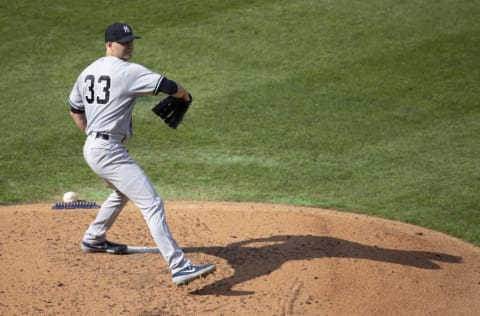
101 104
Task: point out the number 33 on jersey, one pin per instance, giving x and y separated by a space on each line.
103 81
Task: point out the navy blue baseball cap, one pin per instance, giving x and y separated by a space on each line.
119 32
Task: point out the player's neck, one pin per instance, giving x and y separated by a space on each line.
115 55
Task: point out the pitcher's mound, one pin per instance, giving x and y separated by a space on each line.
271 260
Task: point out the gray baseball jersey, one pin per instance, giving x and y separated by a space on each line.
107 89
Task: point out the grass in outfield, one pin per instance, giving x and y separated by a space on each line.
365 106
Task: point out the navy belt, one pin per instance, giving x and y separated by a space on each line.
109 137
102 136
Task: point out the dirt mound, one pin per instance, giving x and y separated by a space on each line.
271 260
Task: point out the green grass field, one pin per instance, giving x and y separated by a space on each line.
366 106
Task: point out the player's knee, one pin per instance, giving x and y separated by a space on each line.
156 207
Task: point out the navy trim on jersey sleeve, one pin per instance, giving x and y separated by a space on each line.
76 111
157 87
167 86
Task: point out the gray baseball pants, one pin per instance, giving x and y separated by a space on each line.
110 160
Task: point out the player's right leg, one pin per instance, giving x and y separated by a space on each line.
138 188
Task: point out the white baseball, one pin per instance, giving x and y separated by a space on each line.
70 197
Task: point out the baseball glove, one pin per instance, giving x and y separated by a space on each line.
172 110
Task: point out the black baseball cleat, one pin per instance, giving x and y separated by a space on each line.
192 272
106 246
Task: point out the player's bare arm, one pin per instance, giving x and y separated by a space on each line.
80 120
181 93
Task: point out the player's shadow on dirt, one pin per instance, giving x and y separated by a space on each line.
259 257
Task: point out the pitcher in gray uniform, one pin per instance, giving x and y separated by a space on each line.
101 104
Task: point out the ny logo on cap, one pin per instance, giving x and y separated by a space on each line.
126 29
